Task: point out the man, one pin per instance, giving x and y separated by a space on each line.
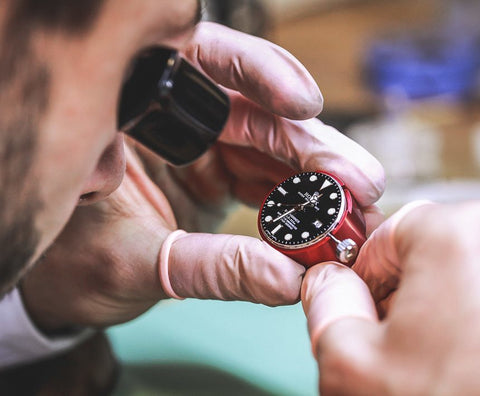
63 69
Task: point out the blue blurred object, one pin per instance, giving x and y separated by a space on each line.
423 65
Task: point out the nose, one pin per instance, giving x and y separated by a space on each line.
107 175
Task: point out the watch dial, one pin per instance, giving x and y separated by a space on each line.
301 209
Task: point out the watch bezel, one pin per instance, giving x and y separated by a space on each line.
319 238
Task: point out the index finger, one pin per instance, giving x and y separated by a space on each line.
257 68
305 145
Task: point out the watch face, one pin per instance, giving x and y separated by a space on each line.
302 209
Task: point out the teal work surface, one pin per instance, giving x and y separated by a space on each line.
195 347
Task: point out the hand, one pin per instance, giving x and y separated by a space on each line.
263 142
422 267
103 269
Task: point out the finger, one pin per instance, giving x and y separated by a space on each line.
377 263
228 267
332 293
350 361
306 146
259 69
343 328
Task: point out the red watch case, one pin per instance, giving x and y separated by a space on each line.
350 226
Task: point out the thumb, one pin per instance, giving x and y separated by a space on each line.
228 267
343 327
332 292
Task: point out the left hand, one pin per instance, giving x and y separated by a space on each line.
103 269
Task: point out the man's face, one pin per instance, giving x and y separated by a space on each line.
79 155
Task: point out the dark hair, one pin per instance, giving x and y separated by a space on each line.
24 92
72 16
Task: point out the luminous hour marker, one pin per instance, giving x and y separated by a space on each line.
268 219
288 237
276 229
282 190
305 234
270 203
325 184
313 178
317 224
333 195
296 180
331 211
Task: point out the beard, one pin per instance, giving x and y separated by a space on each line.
18 244
24 94
19 201
24 86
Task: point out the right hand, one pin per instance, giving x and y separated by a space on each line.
271 133
422 267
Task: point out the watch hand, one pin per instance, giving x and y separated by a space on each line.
312 200
285 214
297 207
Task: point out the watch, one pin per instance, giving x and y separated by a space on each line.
312 217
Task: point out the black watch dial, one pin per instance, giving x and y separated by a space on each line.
302 209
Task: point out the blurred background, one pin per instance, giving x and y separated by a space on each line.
399 77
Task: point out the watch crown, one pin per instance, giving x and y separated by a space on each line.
347 251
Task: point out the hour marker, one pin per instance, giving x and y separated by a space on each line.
305 234
276 229
317 224
268 219
325 184
296 180
270 203
331 211
288 237
313 178
282 190
333 195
